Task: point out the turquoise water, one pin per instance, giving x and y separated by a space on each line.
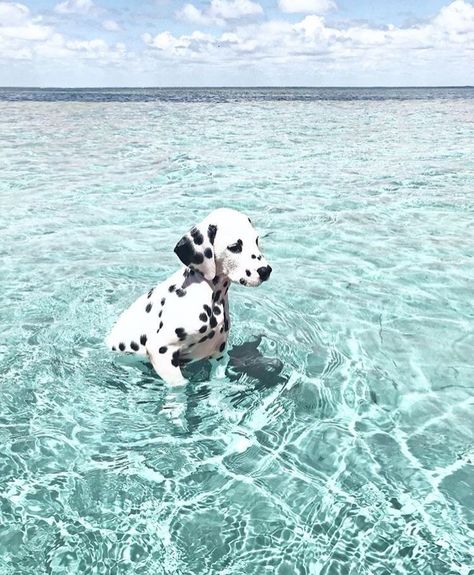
351 453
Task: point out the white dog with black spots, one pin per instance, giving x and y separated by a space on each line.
186 317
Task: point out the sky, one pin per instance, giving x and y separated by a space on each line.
93 43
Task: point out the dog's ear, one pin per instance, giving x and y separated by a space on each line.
196 249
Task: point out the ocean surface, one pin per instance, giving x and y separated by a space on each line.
342 440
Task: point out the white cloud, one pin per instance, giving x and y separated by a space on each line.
191 45
220 11
25 37
449 35
307 6
12 14
111 26
230 9
19 31
97 50
456 18
76 7
195 16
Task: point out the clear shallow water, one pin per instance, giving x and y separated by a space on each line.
358 457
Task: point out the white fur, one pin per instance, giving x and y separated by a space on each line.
196 285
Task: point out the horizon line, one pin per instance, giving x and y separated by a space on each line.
263 87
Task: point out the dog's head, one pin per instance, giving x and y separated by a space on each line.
225 243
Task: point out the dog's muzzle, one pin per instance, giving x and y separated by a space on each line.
264 272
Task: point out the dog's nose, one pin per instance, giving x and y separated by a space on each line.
264 272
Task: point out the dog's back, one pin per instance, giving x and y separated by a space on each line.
130 330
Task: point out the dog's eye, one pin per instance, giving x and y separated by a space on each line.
235 248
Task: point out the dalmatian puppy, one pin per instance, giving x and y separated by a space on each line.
186 318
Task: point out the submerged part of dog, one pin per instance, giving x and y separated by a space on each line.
247 359
186 318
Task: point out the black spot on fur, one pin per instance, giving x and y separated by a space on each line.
114 348
219 358
211 233
184 249
226 283
216 295
216 309
208 253
243 282
203 316
121 346
254 256
215 280
213 322
198 258
134 345
143 339
222 346
161 313
203 339
211 334
175 361
197 236
249 220
148 307
256 241
163 349
226 324
180 292
203 328
259 258
163 301
207 310
150 292
248 272
235 248
181 333
171 288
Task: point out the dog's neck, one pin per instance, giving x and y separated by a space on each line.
219 284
